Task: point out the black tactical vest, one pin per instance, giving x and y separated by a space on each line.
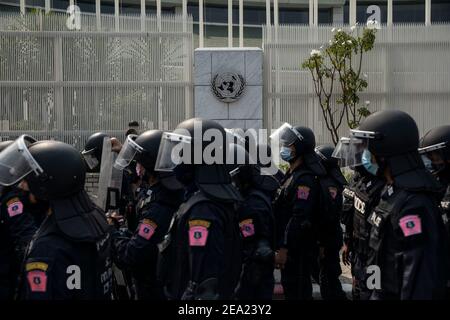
174 269
366 197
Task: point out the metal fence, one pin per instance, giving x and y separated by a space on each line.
408 69
56 83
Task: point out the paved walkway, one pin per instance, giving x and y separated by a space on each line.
346 280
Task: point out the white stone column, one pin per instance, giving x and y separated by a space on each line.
241 23
230 23
201 31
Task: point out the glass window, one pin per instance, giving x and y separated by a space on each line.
86 6
325 16
440 10
60 4
10 1
35 3
409 11
9 8
298 16
371 10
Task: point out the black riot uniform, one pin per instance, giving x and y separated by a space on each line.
435 150
366 195
92 155
17 226
69 256
407 235
257 225
296 209
138 251
329 235
201 254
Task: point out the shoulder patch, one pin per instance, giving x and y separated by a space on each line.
198 232
199 222
14 207
247 228
303 192
36 266
37 276
147 229
333 192
411 225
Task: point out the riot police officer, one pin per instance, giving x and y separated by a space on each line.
435 150
17 227
329 236
159 198
92 154
360 198
69 256
201 256
257 225
407 235
296 209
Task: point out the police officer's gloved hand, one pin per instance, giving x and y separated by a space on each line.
115 219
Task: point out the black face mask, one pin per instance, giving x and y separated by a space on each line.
444 174
40 208
184 174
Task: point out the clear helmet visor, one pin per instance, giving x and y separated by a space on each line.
349 151
90 160
433 156
173 150
16 161
285 135
127 153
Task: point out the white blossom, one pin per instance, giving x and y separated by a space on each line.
353 28
330 42
315 52
349 41
339 30
365 75
333 30
367 102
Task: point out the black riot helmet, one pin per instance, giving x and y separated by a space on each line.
144 149
57 181
247 173
198 148
391 133
53 169
331 164
93 149
392 137
304 142
435 150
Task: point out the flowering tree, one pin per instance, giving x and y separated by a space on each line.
340 63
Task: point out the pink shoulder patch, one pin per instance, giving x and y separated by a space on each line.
198 236
247 228
146 229
303 192
15 208
411 225
37 280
